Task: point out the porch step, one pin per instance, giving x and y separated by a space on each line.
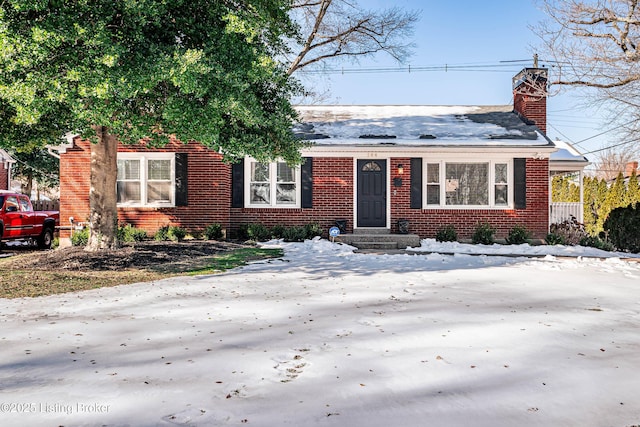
372 231
380 241
375 245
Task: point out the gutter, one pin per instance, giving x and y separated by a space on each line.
62 148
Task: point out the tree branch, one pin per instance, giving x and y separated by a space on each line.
339 29
322 11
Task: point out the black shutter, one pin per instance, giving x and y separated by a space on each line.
416 183
306 171
237 185
520 183
181 179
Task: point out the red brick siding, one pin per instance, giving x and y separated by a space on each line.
426 222
4 177
74 185
210 198
332 199
209 190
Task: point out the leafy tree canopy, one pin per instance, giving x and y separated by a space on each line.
194 69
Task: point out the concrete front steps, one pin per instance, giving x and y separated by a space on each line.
381 239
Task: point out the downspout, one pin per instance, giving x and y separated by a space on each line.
50 149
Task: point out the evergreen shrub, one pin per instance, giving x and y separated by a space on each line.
484 234
596 242
213 232
623 228
555 239
170 232
518 235
447 233
128 233
80 237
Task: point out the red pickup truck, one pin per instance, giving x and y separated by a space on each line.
18 220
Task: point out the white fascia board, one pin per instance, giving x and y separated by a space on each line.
540 152
62 148
567 166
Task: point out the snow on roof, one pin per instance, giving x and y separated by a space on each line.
566 153
416 125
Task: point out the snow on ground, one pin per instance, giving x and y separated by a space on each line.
328 337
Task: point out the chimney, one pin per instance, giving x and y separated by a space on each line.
629 168
530 96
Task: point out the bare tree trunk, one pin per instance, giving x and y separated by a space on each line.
28 187
103 214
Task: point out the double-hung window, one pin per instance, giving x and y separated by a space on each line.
468 184
146 179
273 184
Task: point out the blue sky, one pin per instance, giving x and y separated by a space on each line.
466 32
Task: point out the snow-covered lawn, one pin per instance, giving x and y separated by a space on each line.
327 337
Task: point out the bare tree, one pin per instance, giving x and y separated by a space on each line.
596 45
609 163
339 29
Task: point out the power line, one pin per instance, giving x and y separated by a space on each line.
43 172
477 67
500 66
612 146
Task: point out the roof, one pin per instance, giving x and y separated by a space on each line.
567 153
5 158
417 125
567 156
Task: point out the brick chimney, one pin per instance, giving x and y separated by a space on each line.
530 96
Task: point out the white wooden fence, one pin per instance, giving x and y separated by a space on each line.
561 211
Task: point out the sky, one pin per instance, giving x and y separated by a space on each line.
467 32
349 339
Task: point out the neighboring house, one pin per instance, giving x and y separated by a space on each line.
628 171
370 166
6 164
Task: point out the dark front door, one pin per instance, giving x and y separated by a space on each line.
372 193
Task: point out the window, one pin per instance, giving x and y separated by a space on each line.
462 184
25 206
467 184
501 184
273 185
146 179
11 204
371 167
433 184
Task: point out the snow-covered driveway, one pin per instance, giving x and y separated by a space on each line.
329 337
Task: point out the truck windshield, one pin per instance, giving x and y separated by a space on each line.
1 202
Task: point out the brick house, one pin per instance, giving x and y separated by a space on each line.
6 163
369 165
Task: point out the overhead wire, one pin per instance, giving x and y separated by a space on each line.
501 66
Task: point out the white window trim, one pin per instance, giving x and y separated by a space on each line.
143 158
491 182
273 169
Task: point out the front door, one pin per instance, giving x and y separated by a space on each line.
372 193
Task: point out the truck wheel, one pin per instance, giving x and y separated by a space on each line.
46 239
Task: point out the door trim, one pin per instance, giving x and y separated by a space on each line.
387 189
